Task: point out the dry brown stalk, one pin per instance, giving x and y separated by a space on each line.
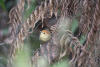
60 45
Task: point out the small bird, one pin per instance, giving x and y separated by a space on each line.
45 35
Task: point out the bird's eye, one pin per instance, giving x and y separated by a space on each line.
43 32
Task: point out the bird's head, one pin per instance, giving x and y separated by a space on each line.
45 35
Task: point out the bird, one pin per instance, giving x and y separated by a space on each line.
45 35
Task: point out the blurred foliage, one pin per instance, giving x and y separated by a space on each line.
29 8
82 39
73 29
2 4
74 25
5 6
22 58
63 63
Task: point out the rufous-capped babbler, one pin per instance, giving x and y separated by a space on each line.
45 35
